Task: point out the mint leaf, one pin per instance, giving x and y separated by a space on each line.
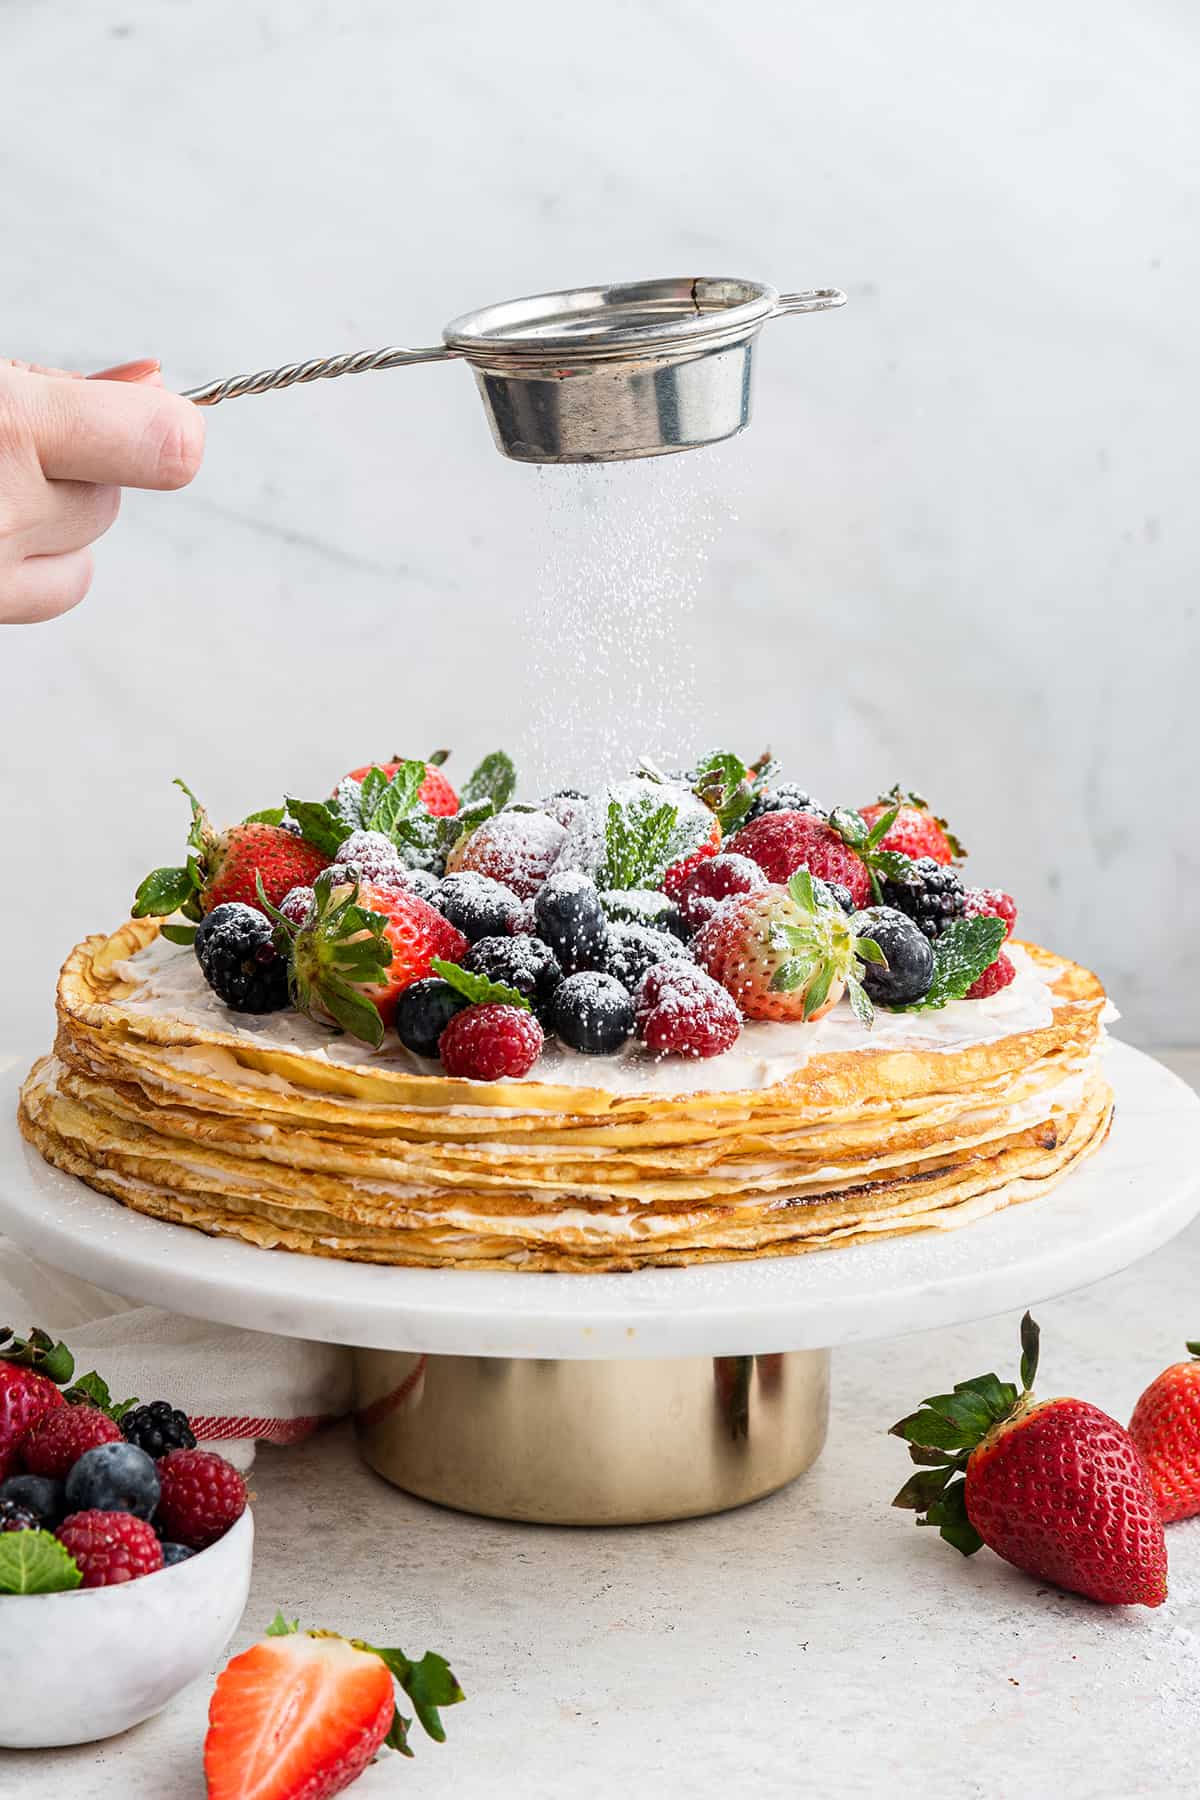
965 949
163 891
34 1562
179 934
637 842
386 803
495 779
477 988
321 823
92 1390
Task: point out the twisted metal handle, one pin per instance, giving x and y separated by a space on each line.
812 300
318 368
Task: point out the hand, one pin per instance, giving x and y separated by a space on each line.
67 448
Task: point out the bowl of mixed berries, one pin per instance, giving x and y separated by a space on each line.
125 1551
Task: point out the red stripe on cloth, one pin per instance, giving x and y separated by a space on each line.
216 1430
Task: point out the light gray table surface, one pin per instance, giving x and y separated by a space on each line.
814 1642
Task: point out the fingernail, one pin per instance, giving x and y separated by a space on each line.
129 371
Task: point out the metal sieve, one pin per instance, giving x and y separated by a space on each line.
599 374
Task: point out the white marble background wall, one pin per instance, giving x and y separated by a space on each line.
966 544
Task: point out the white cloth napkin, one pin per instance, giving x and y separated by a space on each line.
237 1387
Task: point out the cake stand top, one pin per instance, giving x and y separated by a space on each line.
1135 1194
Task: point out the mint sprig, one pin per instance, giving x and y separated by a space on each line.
638 841
965 949
478 989
92 1390
34 1562
494 779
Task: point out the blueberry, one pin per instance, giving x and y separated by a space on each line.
175 1553
841 896
113 1478
569 917
478 906
593 1013
908 951
423 1012
524 963
422 883
38 1494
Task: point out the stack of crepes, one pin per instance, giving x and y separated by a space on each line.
803 1137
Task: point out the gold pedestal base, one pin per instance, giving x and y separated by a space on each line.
591 1443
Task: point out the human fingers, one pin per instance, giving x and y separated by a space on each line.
42 587
121 433
71 515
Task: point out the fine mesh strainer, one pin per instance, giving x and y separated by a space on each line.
600 374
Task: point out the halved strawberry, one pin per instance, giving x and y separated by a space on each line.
301 1714
434 793
229 865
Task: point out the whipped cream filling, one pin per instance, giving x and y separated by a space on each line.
165 980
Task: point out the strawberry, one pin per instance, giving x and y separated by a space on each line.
517 849
1166 1429
1055 1487
914 831
359 949
299 1715
229 865
683 866
30 1372
782 842
435 793
784 955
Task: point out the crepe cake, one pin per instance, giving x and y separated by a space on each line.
802 1118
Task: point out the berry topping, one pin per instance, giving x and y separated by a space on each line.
525 963
227 866
58 1441
202 1496
423 1012
38 1495
565 805
715 880
632 949
175 1553
907 970
684 1012
990 903
29 1372
158 1428
477 905
297 905
516 848
370 856
678 872
235 947
996 976
593 1013
646 906
490 1043
914 831
570 918
783 954
782 842
114 1477
1166 1429
435 793
784 798
110 1547
928 892
15 1517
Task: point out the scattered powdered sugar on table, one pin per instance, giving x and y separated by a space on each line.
610 670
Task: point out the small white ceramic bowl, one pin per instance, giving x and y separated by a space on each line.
82 1666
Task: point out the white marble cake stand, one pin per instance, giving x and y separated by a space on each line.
614 1398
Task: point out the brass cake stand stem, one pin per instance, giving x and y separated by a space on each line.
559 1442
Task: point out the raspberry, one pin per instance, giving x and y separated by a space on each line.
990 903
997 975
682 1011
782 842
713 881
370 856
684 866
297 905
110 1547
914 831
59 1439
202 1496
487 1043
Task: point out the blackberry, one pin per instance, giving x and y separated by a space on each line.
157 1428
909 956
787 798
235 947
423 1012
524 963
632 949
478 906
36 1494
930 893
18 1518
568 916
421 882
646 906
593 1013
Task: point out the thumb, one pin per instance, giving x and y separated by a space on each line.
147 369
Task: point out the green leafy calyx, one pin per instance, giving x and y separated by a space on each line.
729 787
171 890
429 1683
342 950
39 1351
946 1430
823 949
